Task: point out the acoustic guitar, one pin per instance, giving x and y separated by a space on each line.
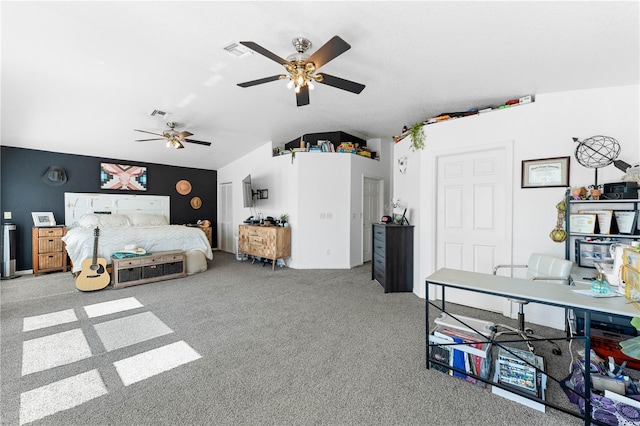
94 275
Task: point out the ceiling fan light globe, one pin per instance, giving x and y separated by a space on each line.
297 89
310 84
290 84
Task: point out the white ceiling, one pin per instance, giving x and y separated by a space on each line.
78 77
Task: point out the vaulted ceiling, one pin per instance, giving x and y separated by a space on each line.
79 77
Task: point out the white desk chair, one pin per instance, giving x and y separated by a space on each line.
540 267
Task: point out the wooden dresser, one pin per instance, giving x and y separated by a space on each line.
392 257
269 242
47 249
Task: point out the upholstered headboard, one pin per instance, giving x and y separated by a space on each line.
77 204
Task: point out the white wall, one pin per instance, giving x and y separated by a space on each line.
321 192
542 129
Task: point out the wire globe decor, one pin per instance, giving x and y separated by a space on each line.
597 151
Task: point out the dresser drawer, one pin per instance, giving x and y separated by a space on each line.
48 261
378 262
256 240
379 233
378 247
48 245
379 275
50 232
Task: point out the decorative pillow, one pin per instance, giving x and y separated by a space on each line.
113 220
89 221
145 219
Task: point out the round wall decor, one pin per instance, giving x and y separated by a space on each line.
196 203
183 187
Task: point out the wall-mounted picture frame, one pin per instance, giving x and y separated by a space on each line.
43 219
545 173
123 177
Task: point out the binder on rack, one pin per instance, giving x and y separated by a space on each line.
471 355
513 378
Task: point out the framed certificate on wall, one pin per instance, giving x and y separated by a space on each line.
545 173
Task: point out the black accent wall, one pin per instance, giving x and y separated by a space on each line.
23 191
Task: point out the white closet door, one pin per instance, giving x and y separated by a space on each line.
226 230
371 212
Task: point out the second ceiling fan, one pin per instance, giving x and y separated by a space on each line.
301 68
174 138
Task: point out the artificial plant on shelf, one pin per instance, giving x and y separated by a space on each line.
631 347
284 218
417 136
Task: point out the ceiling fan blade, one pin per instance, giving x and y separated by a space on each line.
264 52
329 51
262 80
144 131
341 83
145 140
302 97
184 134
198 142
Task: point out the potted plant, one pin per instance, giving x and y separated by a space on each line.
417 136
284 219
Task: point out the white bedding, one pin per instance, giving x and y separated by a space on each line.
79 241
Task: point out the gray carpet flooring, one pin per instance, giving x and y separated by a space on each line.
239 344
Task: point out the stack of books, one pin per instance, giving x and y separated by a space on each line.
523 371
473 353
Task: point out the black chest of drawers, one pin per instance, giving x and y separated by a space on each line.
392 257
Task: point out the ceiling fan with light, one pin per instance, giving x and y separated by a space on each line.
174 138
301 68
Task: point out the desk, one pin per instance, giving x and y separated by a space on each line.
541 292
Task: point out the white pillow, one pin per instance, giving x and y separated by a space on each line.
89 221
113 220
145 219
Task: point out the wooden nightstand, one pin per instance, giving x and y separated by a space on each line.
47 249
208 232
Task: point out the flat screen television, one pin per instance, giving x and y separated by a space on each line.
247 192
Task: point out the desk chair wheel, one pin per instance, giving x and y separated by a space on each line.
556 351
528 330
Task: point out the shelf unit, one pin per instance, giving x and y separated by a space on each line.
574 205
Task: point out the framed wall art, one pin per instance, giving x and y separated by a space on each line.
123 177
545 173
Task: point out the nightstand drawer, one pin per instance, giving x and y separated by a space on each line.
48 261
48 245
50 232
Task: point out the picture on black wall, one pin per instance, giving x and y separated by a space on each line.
124 177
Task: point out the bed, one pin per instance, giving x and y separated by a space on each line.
125 221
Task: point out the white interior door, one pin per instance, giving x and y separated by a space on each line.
226 229
474 218
371 212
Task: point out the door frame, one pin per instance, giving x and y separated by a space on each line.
429 206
